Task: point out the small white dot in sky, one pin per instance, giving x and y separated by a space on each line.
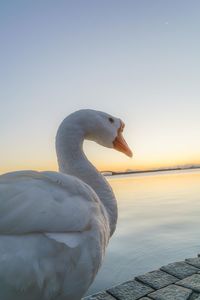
166 23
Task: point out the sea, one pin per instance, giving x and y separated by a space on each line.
158 223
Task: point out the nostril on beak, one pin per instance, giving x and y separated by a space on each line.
122 125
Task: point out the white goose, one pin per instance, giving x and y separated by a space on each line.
54 227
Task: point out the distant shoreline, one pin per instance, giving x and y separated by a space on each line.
112 173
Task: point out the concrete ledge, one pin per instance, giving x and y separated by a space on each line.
175 281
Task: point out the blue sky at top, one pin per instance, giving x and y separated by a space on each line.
135 59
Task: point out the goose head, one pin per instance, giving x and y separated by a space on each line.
106 130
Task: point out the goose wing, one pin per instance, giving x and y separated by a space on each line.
53 233
33 201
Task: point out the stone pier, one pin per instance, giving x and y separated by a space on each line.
175 281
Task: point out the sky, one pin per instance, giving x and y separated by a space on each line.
137 60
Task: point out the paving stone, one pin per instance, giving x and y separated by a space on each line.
191 282
194 261
163 284
157 279
130 290
171 292
100 296
195 296
180 269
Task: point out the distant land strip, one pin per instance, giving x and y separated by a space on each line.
112 173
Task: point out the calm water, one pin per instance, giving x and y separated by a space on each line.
159 223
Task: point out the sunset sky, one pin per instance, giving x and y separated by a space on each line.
137 60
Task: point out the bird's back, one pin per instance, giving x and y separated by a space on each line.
53 234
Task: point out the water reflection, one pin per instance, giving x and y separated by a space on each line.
159 222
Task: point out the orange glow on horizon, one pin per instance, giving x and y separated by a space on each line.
104 166
102 158
151 165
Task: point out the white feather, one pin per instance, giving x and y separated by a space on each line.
53 227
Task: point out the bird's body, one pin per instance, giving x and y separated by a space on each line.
54 227
49 236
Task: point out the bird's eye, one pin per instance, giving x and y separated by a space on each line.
111 120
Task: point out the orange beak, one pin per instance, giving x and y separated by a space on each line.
120 144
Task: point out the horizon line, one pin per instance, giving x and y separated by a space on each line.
168 168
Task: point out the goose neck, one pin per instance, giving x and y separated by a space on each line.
73 161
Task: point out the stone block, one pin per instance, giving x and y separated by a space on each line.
130 290
191 282
180 269
171 292
100 296
194 261
195 296
157 279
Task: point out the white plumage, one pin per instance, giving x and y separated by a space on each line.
54 227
